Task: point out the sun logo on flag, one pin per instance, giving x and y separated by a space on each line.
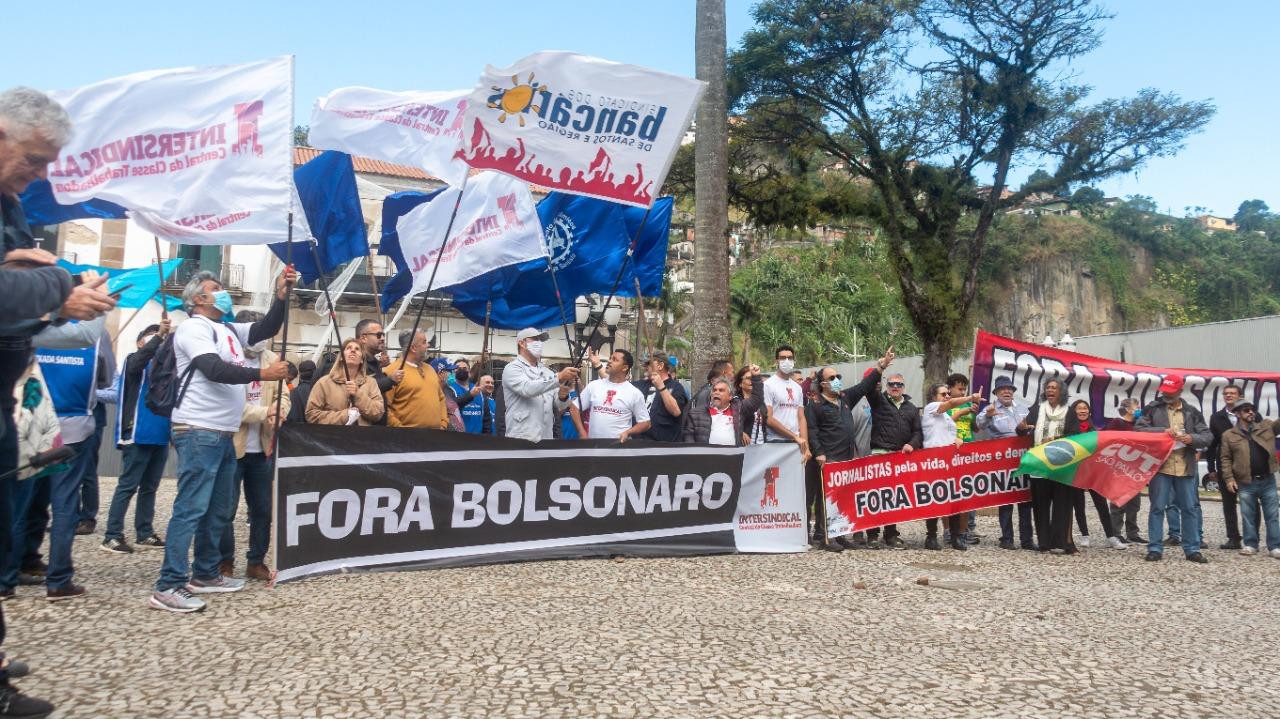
517 99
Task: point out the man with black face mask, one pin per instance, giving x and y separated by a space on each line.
831 426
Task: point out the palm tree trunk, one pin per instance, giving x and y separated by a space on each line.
712 336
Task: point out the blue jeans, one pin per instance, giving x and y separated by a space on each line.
253 471
88 497
1264 491
143 465
30 515
1186 500
1025 535
206 472
64 503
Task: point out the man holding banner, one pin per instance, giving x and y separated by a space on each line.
1177 475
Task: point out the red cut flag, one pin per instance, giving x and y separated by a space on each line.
1116 465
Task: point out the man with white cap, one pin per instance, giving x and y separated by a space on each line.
533 395
1185 424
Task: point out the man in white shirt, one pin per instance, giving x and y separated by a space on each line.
615 408
784 398
210 371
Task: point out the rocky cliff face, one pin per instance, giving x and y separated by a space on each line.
1063 294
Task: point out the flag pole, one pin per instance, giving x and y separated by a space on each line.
564 324
640 328
484 344
164 311
284 342
631 249
417 320
377 296
333 317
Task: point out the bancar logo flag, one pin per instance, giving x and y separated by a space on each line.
580 124
198 154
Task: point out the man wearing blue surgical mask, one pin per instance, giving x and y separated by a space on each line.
210 371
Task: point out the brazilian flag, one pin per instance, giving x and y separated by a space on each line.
1058 460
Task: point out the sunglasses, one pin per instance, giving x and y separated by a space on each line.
897 384
834 376
379 335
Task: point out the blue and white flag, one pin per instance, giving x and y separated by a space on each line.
587 241
394 207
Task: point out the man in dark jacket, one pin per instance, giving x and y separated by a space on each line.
832 431
33 128
665 398
143 438
1219 422
895 427
1248 466
1177 476
722 423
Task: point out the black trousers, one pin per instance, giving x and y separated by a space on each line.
8 462
1229 513
1127 516
814 503
1099 505
957 524
1051 506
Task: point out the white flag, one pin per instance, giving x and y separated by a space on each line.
201 155
580 125
418 129
497 225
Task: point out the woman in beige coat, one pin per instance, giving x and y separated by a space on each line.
346 395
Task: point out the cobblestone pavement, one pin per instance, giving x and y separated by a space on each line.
1017 634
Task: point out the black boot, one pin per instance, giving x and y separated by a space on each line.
931 542
14 703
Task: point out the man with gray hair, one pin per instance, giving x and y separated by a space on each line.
210 371
33 128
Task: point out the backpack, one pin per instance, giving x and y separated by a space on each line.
163 395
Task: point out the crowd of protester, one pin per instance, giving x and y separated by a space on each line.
215 392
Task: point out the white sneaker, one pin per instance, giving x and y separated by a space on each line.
1248 551
217 585
1275 553
1117 543
1083 541
176 600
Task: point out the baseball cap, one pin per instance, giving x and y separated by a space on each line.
870 369
441 364
531 333
1171 383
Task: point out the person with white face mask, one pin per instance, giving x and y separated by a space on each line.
534 396
784 397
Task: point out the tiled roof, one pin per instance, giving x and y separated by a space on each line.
368 165
303 155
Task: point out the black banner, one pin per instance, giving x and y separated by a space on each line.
377 498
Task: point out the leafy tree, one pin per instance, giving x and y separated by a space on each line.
920 97
300 133
1087 198
1252 215
1039 178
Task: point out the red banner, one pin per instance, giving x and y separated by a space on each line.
1104 382
885 489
